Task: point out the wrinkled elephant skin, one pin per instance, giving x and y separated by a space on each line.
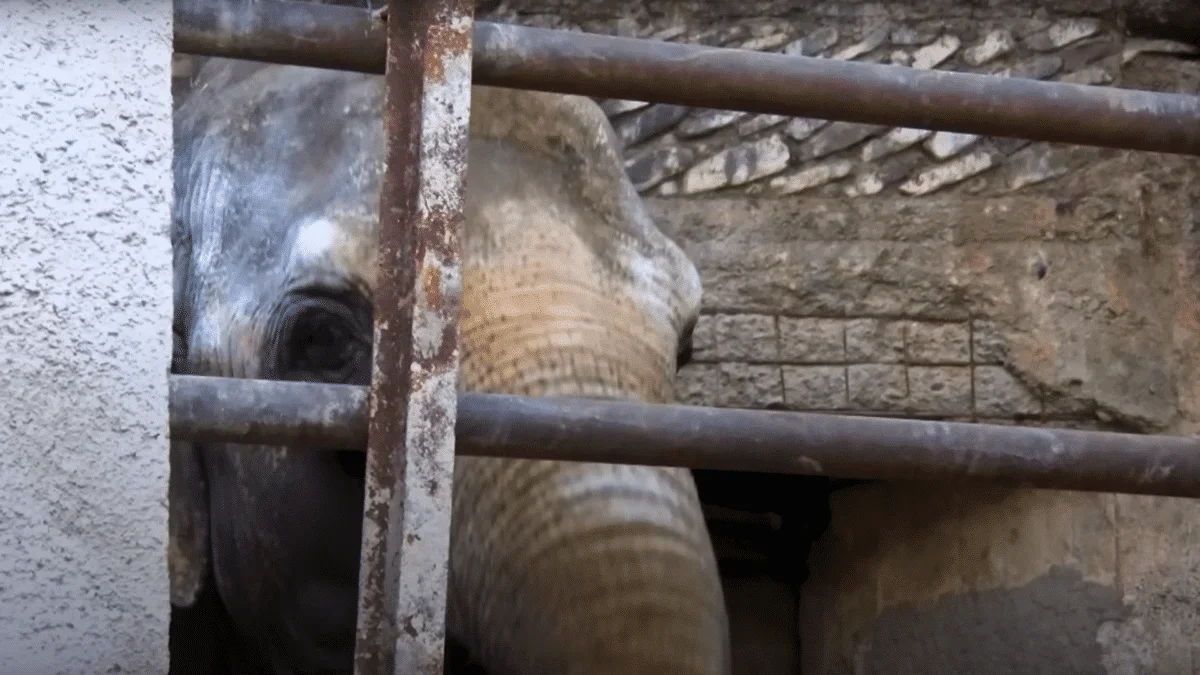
568 289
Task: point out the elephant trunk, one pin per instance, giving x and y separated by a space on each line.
581 567
565 567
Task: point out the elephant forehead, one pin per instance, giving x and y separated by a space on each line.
535 263
341 244
527 215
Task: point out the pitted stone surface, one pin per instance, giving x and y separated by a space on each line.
1035 164
811 177
814 43
837 136
707 122
997 390
655 167
916 35
995 44
767 43
894 141
873 39
1036 68
877 387
939 343
1092 75
738 165
648 122
1076 49
934 55
1068 31
939 390
946 144
815 387
801 128
755 123
954 171
812 340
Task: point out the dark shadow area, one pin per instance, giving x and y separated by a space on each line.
762 526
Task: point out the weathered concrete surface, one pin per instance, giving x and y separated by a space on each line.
1073 304
1082 293
989 580
1070 303
85 344
1173 19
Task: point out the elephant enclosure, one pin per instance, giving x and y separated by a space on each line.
910 233
924 255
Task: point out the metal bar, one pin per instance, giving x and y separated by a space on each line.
731 79
298 33
412 408
839 446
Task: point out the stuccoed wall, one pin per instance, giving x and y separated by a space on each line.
85 315
875 270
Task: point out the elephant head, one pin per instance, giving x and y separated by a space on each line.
569 288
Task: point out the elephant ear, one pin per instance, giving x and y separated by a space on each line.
187 524
584 176
187 487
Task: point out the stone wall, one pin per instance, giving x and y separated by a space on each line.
878 270
950 370
882 271
85 340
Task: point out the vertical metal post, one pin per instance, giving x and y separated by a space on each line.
412 412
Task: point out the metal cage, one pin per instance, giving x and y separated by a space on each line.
411 421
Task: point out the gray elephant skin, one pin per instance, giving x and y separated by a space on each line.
568 289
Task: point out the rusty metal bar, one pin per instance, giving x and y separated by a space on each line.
841 446
709 77
299 33
412 407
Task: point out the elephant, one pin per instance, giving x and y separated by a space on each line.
569 288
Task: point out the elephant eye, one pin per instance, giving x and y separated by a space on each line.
324 339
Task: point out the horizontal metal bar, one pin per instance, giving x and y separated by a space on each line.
842 446
732 79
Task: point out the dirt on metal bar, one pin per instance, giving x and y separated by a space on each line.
299 33
412 407
838 446
570 62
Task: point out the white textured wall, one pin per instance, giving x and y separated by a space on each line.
85 308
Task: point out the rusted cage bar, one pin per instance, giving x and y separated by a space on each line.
598 65
411 416
335 416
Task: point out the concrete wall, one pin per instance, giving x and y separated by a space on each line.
85 314
881 271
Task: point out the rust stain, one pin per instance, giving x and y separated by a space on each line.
1036 355
1187 317
407 436
440 228
440 43
432 283
978 261
1045 215
1116 299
